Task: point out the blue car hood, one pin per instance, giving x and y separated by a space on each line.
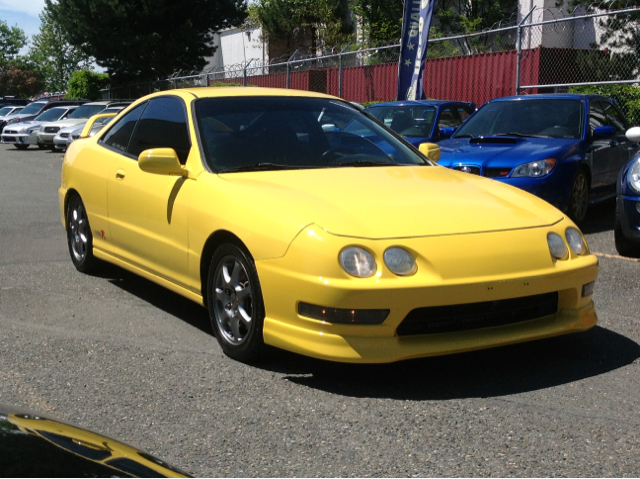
504 151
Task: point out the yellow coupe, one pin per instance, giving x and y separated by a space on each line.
300 222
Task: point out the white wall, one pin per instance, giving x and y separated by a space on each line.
236 47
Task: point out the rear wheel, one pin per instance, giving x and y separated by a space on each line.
235 303
579 199
20 146
41 146
79 238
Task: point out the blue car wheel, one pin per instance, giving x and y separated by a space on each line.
579 199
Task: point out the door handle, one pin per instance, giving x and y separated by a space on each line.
120 174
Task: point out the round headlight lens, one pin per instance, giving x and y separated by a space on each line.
576 243
357 262
633 177
557 246
400 261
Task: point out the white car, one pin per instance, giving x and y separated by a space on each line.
24 134
81 115
10 110
66 135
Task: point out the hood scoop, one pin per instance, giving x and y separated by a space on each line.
493 140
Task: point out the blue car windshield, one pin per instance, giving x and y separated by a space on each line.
412 121
269 133
538 118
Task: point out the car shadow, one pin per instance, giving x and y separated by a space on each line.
487 373
158 296
600 217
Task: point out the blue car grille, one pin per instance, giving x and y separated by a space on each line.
462 317
474 170
496 172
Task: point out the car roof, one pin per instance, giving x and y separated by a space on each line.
224 91
418 103
552 96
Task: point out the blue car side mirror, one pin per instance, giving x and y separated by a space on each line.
446 132
603 132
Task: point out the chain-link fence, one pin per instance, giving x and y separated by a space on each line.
546 51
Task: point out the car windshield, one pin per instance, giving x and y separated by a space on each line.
6 110
539 118
51 115
265 133
411 121
33 108
86 111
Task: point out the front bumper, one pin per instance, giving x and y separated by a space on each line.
629 216
449 273
20 138
46 138
60 142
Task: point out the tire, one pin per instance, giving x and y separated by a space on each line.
235 303
579 199
79 237
41 146
624 245
20 146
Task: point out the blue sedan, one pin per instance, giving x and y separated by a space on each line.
565 148
627 229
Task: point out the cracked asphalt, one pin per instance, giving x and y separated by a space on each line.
123 357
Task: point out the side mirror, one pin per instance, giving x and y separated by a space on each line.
92 120
603 132
446 132
161 161
633 134
430 150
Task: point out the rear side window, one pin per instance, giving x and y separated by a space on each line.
615 118
162 125
596 117
118 137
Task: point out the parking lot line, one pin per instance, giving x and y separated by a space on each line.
615 256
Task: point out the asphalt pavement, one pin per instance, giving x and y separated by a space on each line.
121 356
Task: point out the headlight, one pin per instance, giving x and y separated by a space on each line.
31 131
576 243
357 262
633 177
400 261
535 169
557 246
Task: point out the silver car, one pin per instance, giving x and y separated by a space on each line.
24 134
66 135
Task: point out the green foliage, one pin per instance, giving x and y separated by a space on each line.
144 40
86 84
12 39
298 24
55 56
382 19
20 79
597 65
627 97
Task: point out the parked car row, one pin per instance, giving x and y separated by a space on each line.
53 126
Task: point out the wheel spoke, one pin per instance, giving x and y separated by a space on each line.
243 316
243 293
234 324
221 296
235 275
226 277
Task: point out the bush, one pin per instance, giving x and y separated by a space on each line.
86 84
626 96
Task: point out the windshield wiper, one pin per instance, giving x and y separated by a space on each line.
363 163
262 167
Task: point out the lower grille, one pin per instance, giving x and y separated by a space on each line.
461 317
51 129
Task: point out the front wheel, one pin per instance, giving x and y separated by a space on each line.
235 303
579 199
79 238
20 146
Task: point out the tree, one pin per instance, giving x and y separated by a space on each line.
142 40
20 79
382 19
304 25
56 57
12 39
86 84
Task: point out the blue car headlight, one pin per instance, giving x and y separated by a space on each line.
633 176
534 169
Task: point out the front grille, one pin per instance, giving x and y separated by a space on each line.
474 170
51 129
11 132
461 317
64 135
496 172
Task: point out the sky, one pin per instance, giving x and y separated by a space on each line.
23 13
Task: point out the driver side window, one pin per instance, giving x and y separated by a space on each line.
118 136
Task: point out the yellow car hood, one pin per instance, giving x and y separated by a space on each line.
391 202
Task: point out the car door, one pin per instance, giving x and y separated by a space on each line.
601 151
623 148
149 212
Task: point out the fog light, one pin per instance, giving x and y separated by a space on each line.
343 316
588 288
